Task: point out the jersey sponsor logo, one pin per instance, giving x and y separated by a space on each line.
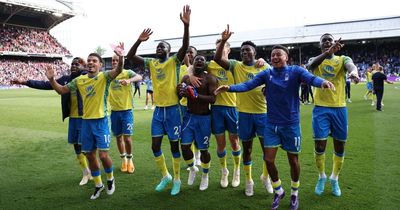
90 91
328 72
160 75
116 85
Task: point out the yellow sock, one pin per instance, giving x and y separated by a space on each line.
176 167
265 170
82 161
109 173
193 148
320 162
190 162
236 158
337 165
277 187
222 159
205 166
160 162
97 180
247 171
276 184
295 187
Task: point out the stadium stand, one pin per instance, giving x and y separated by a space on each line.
26 46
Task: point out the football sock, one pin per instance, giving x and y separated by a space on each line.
247 170
160 162
320 162
338 160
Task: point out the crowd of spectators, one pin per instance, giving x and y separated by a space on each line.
19 39
28 69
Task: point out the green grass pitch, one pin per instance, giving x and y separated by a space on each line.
39 169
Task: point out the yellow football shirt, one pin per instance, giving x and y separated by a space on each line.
182 72
334 71
253 101
94 92
74 105
369 77
165 77
224 77
121 95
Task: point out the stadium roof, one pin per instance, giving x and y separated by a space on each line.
373 28
43 14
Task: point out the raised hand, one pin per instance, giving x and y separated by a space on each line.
119 50
329 85
145 35
49 72
220 89
226 34
336 46
185 15
124 82
355 78
260 63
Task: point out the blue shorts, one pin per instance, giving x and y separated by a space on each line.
198 128
251 125
369 86
166 121
74 130
95 134
122 122
329 121
183 110
288 137
224 118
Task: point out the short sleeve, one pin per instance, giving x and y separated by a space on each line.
72 85
131 73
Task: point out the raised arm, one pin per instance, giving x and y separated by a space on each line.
223 62
132 57
258 80
57 87
316 61
119 50
185 18
314 80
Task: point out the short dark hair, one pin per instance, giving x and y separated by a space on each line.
282 48
98 56
325 34
192 47
168 45
248 43
80 60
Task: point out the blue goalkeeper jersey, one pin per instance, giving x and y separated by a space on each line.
282 91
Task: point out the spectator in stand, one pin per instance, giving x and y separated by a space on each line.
28 69
19 39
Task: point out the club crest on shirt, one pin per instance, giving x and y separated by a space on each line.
222 75
286 77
